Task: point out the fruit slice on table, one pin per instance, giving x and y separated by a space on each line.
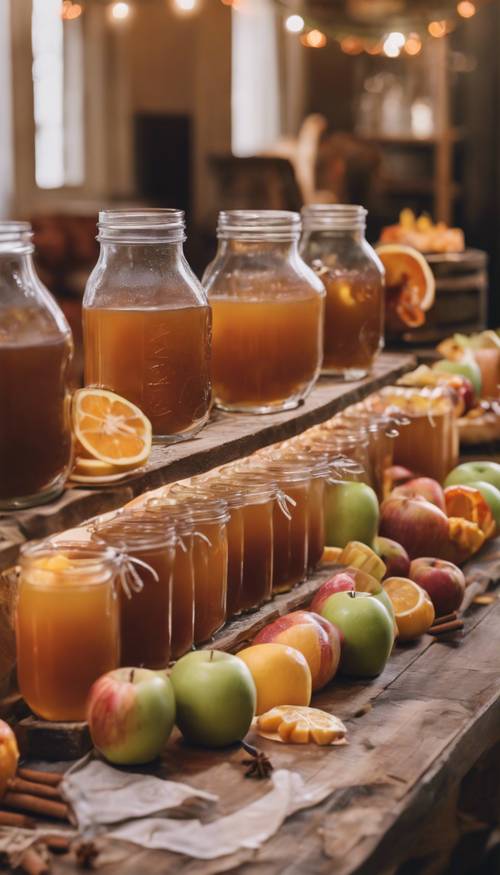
413 609
330 555
465 539
111 429
410 284
468 503
295 725
361 556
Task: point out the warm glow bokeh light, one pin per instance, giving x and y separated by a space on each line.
315 39
185 5
466 8
413 45
437 29
351 45
70 10
294 24
120 11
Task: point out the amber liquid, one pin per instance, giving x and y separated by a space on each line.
182 598
291 539
265 354
316 517
67 637
428 445
354 322
257 579
234 561
210 580
158 359
145 617
35 435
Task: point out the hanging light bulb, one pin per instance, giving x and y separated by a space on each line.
466 8
294 24
119 11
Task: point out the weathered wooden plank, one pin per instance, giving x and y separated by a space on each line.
226 437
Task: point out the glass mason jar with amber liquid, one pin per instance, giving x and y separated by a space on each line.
267 311
146 321
334 244
35 354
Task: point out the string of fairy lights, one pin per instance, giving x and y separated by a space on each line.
317 26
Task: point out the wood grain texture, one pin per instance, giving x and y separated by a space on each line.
225 438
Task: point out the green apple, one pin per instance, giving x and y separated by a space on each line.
131 713
491 495
351 513
467 367
367 632
215 696
470 472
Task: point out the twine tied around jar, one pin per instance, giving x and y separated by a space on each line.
343 463
129 578
283 501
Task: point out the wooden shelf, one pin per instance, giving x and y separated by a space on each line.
225 438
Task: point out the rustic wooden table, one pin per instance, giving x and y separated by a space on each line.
417 788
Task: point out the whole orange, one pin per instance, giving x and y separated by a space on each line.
9 755
281 674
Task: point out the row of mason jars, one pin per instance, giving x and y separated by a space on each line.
254 336
166 573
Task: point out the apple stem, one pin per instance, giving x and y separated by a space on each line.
131 676
211 656
352 593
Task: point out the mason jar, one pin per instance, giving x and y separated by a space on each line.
267 310
35 353
334 244
146 321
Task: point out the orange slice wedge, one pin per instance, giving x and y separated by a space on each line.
410 285
413 609
293 724
330 555
465 539
111 429
468 503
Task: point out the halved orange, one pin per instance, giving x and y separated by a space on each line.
410 285
468 503
294 724
413 609
111 429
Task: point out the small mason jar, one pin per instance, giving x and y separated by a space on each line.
146 321
334 244
67 625
35 353
267 310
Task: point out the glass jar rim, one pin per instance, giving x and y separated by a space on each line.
90 557
286 472
16 236
125 532
334 217
256 484
155 225
202 506
272 226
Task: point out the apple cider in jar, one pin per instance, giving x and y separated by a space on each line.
334 244
268 309
67 625
147 322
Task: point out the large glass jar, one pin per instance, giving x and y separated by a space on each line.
67 625
146 321
267 310
35 353
334 244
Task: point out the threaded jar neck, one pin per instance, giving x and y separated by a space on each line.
141 226
334 217
273 226
16 237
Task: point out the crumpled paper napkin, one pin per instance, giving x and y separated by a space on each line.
129 804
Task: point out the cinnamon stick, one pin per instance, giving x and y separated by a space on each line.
51 778
19 785
33 863
445 618
9 818
443 628
36 805
57 844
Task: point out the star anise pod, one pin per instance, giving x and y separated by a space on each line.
86 854
258 765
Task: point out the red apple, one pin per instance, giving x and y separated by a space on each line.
313 636
342 581
443 581
394 556
398 474
422 487
419 526
131 713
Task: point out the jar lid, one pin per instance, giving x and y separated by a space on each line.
16 237
141 226
259 225
334 217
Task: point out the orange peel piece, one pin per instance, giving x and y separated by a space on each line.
291 724
468 503
410 283
465 539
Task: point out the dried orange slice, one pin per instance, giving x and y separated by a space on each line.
293 724
363 557
413 609
468 503
111 429
410 285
